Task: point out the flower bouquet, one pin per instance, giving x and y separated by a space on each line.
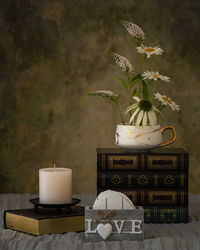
144 104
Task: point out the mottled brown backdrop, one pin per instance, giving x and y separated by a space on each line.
52 52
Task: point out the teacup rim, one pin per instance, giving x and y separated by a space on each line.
128 125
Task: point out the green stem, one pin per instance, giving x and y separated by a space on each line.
129 100
148 67
128 92
161 107
149 64
121 115
154 88
140 84
129 97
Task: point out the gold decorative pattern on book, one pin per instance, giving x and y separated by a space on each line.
162 197
143 180
168 215
122 162
162 162
116 180
132 195
169 180
147 212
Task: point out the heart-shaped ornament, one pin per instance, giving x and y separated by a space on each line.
104 230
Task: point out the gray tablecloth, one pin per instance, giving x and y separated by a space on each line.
157 236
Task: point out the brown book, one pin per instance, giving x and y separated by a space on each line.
45 221
147 197
162 159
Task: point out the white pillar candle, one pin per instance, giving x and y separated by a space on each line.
55 185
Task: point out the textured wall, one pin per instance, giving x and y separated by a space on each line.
53 52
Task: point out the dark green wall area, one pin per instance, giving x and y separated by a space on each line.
53 52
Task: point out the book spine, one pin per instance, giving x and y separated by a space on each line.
165 215
142 162
150 179
154 197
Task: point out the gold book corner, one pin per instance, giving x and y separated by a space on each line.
21 223
44 226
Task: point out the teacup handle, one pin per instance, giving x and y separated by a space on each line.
173 132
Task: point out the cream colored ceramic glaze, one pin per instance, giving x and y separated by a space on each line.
138 137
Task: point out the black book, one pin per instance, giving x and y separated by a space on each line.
45 221
142 179
162 159
154 197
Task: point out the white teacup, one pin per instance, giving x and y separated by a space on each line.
139 137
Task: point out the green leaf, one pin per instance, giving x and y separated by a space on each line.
150 81
134 80
137 41
158 112
117 68
135 92
144 90
144 56
116 99
121 81
133 71
161 107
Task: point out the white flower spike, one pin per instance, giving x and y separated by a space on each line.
123 62
105 93
133 29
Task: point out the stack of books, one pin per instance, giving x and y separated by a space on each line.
156 180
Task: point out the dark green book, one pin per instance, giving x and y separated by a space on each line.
166 214
154 197
118 159
141 179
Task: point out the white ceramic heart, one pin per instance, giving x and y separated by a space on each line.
104 230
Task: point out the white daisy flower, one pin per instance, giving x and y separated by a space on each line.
155 76
145 112
133 29
123 62
167 101
149 50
